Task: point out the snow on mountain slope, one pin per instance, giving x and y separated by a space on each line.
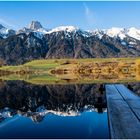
113 32
116 32
40 31
4 32
63 28
134 33
123 33
97 32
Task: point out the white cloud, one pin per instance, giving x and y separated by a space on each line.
89 14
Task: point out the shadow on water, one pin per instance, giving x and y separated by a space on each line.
52 111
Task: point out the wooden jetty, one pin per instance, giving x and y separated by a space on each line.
123 112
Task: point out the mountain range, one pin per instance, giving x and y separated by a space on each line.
36 42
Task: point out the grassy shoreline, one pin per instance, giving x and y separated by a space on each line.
75 70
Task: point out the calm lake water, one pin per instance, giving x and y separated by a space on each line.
52 111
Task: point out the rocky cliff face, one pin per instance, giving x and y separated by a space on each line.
79 46
21 48
36 42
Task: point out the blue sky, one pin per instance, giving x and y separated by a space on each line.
86 15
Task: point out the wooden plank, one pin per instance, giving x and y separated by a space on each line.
135 106
125 92
112 92
122 121
132 100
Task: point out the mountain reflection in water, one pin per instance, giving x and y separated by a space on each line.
49 106
64 100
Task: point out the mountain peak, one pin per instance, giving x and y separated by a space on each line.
1 26
35 25
63 28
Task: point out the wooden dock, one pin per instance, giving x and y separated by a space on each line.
123 112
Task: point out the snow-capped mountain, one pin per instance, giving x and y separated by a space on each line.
63 28
35 27
5 32
123 33
128 37
114 32
35 42
134 33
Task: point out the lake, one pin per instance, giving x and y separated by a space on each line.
52 111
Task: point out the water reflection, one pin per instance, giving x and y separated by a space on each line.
66 100
50 106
